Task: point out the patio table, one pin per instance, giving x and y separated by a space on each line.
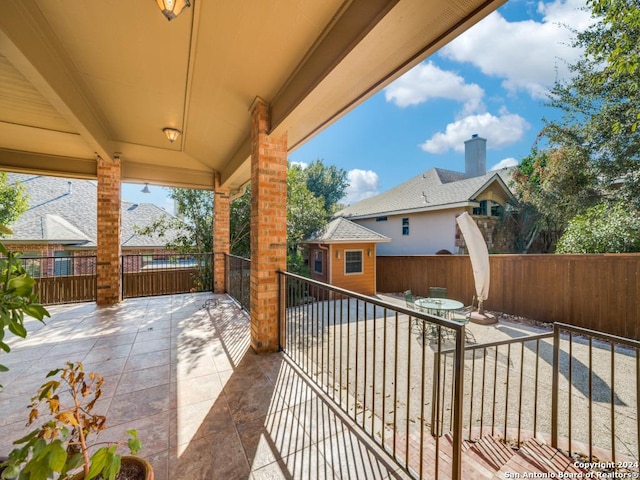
438 306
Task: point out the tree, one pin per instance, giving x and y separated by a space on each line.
14 201
240 225
600 103
191 230
328 182
306 207
552 186
305 211
619 49
604 228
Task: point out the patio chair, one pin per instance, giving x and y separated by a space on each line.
462 315
408 298
438 292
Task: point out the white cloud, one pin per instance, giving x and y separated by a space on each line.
302 165
362 184
426 81
502 130
529 55
507 162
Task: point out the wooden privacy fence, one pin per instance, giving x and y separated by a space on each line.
598 292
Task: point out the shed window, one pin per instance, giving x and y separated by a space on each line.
317 261
405 226
353 261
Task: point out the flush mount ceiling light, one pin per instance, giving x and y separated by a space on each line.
172 133
146 188
172 8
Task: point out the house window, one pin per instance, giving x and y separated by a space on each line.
497 210
381 219
353 261
405 226
63 265
317 261
481 209
31 263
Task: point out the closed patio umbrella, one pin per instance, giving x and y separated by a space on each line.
479 257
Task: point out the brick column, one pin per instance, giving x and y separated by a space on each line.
221 212
108 251
268 227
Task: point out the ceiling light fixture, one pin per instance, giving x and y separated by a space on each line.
172 133
146 188
172 8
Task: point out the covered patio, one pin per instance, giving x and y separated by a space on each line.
179 370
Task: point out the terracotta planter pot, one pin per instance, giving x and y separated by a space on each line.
133 463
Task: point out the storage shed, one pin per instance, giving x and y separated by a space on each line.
343 254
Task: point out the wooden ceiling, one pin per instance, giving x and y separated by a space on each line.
81 79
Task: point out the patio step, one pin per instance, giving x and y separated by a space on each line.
534 456
487 457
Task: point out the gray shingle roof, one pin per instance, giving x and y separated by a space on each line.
434 189
63 210
343 230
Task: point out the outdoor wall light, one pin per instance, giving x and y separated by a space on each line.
337 253
172 133
368 252
172 8
146 188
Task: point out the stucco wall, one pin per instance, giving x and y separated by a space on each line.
429 232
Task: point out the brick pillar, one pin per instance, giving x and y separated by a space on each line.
108 251
268 227
221 211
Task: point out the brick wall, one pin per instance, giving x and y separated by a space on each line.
268 227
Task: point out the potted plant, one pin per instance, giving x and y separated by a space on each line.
61 446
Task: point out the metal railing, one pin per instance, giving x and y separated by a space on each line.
577 389
505 382
166 274
371 360
238 279
62 279
596 396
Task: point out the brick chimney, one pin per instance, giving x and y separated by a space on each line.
475 156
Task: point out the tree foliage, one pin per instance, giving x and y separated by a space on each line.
191 229
592 152
305 210
327 182
240 225
558 183
619 48
14 201
312 195
603 229
601 101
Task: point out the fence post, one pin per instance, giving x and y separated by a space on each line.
554 386
457 407
282 309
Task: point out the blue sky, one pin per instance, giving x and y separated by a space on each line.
492 80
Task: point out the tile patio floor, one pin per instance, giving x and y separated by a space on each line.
204 405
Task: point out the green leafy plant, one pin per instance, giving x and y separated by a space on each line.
61 445
17 298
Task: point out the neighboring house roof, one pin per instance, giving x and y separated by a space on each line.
63 211
341 230
435 189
